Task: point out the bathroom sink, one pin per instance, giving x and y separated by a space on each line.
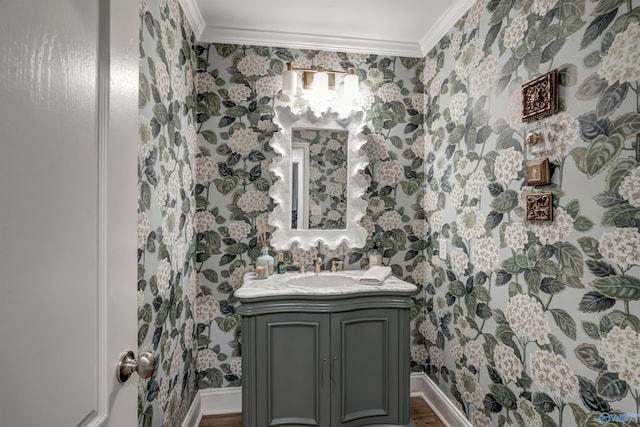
322 281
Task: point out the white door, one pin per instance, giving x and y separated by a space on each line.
68 141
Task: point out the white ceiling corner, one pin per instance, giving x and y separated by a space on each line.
192 12
445 23
381 28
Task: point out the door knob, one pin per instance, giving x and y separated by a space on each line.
128 364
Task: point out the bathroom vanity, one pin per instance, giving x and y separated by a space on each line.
320 349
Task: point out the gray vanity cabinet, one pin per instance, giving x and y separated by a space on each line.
328 362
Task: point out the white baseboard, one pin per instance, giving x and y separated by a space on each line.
449 414
213 401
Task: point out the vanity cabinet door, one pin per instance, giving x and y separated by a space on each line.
366 367
292 369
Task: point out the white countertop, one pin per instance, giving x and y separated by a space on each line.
278 285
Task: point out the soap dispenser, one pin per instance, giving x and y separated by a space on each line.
375 259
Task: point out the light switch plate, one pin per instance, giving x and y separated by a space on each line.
442 248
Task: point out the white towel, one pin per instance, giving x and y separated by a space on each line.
375 275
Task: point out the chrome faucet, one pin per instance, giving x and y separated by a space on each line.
318 268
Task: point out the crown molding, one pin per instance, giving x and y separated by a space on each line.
192 12
245 36
444 24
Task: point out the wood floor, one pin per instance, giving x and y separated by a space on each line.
421 414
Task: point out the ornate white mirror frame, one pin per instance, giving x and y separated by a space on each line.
284 238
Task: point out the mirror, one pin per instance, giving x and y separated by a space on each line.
318 179
318 193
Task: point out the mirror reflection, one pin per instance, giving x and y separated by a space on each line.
319 178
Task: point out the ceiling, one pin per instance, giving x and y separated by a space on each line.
392 27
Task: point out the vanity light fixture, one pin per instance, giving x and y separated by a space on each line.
319 79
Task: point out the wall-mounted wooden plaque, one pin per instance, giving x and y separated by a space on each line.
540 207
540 97
538 172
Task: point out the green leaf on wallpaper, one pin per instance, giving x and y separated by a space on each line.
622 320
583 224
609 199
504 395
505 202
225 50
601 268
579 155
145 313
591 329
626 288
605 6
161 114
578 413
619 213
226 185
209 136
544 402
142 333
457 289
409 63
570 258
592 60
570 279
572 8
588 355
572 25
619 171
501 12
410 187
628 124
568 75
611 99
512 65
595 302
590 247
573 208
211 275
532 60
276 66
611 387
598 26
601 152
624 20
149 23
547 267
565 322
227 323
591 88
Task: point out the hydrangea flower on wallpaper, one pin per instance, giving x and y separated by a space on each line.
166 237
535 324
237 90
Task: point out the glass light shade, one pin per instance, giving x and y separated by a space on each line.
351 86
289 82
321 82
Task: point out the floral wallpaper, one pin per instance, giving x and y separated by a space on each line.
327 176
166 236
237 89
534 324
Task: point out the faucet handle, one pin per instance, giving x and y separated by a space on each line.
334 265
318 265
